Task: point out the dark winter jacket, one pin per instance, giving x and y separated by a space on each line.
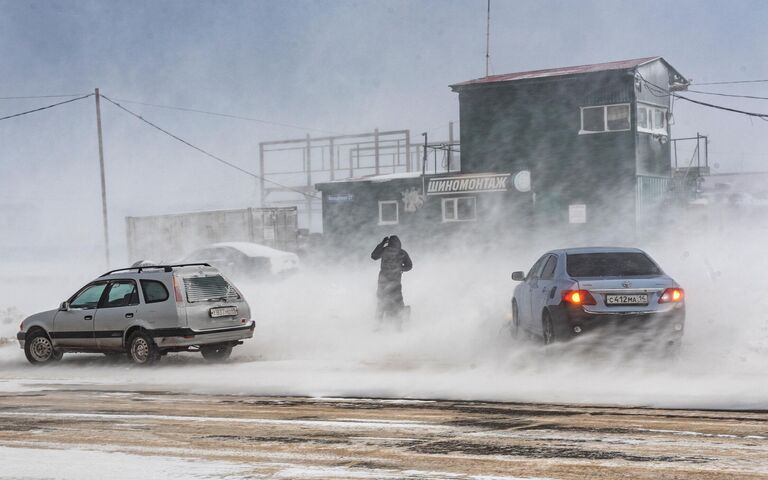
394 260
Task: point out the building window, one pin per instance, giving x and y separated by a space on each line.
642 118
651 119
459 209
389 212
605 118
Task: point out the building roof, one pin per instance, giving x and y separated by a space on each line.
562 71
377 178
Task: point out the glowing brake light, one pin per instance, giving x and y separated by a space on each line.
579 297
177 290
672 295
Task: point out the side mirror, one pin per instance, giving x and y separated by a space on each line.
518 276
64 307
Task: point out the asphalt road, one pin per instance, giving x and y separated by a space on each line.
286 437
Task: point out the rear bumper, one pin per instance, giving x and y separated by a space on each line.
572 321
184 337
22 338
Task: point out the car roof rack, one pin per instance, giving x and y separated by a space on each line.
167 268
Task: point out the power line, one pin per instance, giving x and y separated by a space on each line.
728 95
43 96
204 152
45 108
651 86
764 116
733 82
442 126
226 115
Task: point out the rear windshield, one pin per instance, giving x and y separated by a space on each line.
616 264
214 287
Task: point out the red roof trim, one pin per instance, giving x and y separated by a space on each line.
555 72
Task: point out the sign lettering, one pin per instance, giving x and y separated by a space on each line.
468 184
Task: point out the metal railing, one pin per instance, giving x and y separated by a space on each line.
297 164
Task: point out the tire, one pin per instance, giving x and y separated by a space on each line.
514 326
218 352
38 348
548 330
142 349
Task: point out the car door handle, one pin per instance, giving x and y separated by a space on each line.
88 317
128 315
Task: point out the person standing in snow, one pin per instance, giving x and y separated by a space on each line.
394 261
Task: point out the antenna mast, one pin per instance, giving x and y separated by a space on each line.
488 39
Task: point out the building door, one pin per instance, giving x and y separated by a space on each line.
652 197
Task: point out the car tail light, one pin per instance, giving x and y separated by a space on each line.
672 295
21 326
177 290
579 297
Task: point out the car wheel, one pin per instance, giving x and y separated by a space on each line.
216 353
548 330
38 348
514 326
142 350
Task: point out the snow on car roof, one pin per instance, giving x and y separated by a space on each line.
252 249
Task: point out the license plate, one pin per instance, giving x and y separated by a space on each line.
223 312
626 299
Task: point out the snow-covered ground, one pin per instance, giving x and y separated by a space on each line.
18 463
68 464
315 336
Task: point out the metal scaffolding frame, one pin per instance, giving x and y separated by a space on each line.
700 167
300 163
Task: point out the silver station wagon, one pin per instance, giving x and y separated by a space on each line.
144 312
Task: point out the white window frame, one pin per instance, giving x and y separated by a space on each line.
651 110
397 212
605 118
454 202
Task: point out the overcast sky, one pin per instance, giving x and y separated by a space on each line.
338 66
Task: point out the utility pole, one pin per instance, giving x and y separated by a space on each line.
450 145
488 39
103 178
424 166
262 191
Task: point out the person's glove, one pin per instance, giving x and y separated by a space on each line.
386 239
